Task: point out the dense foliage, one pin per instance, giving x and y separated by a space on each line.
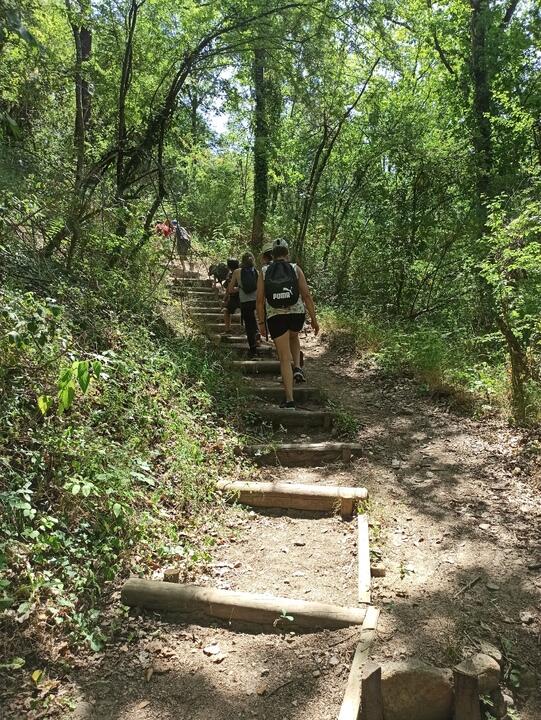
397 145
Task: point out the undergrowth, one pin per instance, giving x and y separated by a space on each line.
471 372
110 445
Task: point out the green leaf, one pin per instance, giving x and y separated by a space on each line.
117 509
96 368
37 676
83 375
66 396
13 664
45 403
75 488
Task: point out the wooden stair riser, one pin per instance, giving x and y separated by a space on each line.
209 317
237 606
258 367
292 418
215 328
193 283
304 455
295 496
275 393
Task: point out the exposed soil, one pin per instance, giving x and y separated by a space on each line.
455 520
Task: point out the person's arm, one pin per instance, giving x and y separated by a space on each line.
260 304
307 299
230 287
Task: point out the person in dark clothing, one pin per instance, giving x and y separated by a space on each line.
245 279
231 299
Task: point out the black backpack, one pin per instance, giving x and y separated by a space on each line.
221 272
248 280
281 284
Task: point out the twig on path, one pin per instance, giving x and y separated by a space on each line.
467 587
288 682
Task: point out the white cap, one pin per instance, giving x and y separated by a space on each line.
280 243
267 248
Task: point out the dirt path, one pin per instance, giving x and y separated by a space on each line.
448 509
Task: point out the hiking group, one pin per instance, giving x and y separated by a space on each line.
273 301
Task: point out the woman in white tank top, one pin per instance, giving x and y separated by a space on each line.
285 323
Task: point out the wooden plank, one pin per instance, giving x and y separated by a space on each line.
299 418
351 703
237 606
296 496
467 705
363 556
371 698
303 454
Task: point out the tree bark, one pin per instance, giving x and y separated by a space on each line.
261 141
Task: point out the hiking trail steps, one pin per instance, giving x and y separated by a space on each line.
259 380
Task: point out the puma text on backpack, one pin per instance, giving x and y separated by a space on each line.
281 285
248 280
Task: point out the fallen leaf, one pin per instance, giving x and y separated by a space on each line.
143 704
149 672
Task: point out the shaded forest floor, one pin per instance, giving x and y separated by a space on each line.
453 502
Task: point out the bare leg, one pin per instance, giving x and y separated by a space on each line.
295 346
227 320
284 354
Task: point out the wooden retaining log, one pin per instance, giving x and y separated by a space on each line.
363 557
304 454
296 496
254 367
349 710
298 418
238 606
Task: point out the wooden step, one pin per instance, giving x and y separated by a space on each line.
201 294
293 418
238 606
296 496
208 317
304 454
193 282
257 367
302 392
213 307
179 274
214 328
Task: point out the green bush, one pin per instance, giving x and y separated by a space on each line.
111 442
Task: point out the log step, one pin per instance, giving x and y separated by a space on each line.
304 454
302 393
201 294
296 496
293 418
207 317
179 274
214 328
211 308
193 282
238 606
257 367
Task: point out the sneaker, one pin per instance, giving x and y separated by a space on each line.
298 375
287 405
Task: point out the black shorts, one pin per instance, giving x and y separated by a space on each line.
233 304
280 324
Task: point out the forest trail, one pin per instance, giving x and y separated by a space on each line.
446 507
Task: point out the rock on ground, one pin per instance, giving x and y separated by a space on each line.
412 689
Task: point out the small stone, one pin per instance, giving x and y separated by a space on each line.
492 586
334 660
265 672
491 650
484 526
527 618
487 670
316 673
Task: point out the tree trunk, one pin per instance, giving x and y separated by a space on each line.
261 140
